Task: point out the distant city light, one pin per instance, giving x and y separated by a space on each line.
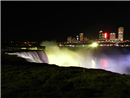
23 48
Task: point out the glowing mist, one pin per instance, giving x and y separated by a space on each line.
84 57
88 58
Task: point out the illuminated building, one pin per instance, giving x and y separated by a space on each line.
112 36
105 36
127 40
120 33
81 37
85 39
102 36
74 40
69 40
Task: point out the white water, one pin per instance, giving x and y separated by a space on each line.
33 56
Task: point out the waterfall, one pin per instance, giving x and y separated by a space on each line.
33 56
116 62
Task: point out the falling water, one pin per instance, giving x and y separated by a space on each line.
33 56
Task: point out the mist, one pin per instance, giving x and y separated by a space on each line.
114 60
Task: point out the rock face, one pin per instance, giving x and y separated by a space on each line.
40 80
21 79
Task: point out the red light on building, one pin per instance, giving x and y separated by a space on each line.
105 35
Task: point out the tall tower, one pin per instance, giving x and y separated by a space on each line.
112 36
81 37
120 33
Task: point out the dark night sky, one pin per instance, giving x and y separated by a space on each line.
56 20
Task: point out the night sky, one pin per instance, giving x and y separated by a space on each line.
57 20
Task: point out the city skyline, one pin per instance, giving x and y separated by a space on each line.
55 20
102 36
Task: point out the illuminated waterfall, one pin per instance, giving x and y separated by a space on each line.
86 58
33 56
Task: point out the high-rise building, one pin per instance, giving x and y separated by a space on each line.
112 36
81 37
120 33
102 36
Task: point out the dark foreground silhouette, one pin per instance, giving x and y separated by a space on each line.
21 79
